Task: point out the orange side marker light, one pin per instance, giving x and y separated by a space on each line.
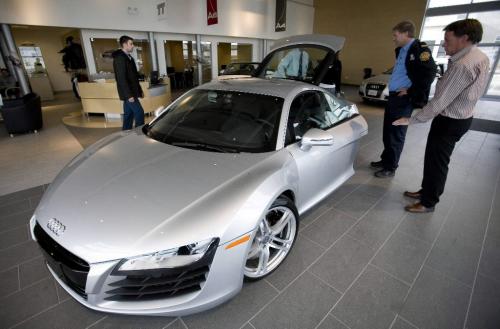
238 242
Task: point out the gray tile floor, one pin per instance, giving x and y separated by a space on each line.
360 260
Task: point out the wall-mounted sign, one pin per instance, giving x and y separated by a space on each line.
161 10
212 14
280 16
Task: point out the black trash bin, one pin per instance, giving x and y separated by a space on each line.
22 115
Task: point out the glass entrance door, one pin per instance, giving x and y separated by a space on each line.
494 85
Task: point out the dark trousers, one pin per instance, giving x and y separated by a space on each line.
132 111
444 134
394 136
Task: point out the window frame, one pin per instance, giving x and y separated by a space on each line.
287 123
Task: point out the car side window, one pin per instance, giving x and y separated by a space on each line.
336 112
314 109
306 111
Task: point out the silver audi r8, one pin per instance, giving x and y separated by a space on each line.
169 218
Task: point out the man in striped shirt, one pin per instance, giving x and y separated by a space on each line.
451 109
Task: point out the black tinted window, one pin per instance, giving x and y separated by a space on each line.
221 120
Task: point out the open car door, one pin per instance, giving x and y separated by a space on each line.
305 58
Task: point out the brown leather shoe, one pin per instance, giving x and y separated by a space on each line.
414 195
418 208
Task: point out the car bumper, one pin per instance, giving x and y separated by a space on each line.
381 94
371 98
223 281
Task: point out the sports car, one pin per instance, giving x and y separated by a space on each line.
170 218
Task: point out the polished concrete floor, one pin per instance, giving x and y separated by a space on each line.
360 260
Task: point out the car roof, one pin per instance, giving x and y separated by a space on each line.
334 42
271 87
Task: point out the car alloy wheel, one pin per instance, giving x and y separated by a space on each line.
273 240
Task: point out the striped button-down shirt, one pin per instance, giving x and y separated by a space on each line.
458 91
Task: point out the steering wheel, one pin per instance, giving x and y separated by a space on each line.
314 121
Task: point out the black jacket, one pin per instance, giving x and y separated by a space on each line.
421 70
73 57
126 76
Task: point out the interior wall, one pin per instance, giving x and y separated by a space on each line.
102 50
223 53
236 18
176 55
367 27
50 41
161 39
244 53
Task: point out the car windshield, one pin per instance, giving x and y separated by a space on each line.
294 63
220 121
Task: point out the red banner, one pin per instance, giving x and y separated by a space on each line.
212 12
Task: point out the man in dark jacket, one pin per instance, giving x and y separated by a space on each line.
73 58
409 86
127 82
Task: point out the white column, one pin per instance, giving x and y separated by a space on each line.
11 45
160 50
152 52
198 52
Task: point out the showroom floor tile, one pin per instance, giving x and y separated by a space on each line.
360 260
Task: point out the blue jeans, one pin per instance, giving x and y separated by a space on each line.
132 110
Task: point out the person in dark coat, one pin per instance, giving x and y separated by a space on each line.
73 58
409 87
74 61
127 82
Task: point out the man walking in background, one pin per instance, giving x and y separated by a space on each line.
409 86
127 82
452 107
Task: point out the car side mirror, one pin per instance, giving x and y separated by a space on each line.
315 137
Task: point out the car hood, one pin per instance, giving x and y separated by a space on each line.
382 78
129 194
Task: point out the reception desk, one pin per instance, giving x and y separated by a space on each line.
102 97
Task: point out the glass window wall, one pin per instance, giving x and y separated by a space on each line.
433 34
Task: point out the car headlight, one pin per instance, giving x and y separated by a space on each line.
168 259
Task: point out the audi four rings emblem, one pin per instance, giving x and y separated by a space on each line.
56 226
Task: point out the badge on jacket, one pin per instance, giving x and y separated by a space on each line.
412 57
425 56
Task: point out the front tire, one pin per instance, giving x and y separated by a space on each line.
275 237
